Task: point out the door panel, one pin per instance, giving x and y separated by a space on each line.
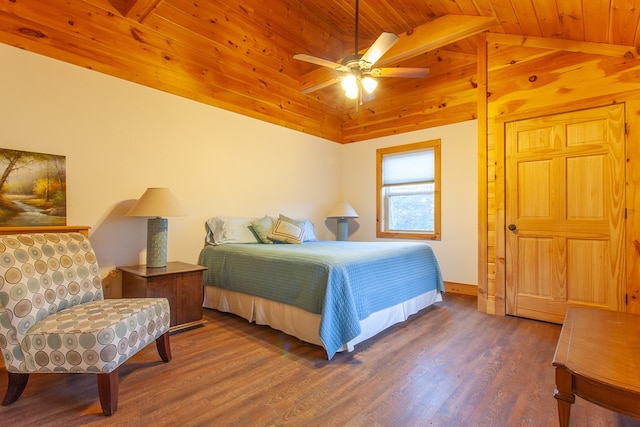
585 188
536 274
534 178
565 203
585 260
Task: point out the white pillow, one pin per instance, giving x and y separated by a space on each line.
286 232
230 229
309 231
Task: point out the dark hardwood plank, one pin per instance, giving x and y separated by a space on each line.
448 366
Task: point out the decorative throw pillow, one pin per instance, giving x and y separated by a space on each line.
305 224
262 227
297 222
286 232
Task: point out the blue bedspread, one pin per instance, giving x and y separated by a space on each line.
343 281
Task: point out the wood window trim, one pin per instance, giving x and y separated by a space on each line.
434 144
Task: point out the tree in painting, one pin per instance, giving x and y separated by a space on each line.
32 189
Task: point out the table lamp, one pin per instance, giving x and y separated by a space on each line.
342 211
157 203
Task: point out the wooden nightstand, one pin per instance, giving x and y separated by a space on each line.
179 282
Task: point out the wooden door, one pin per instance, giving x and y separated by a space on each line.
565 200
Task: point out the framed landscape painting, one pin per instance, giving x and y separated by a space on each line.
33 189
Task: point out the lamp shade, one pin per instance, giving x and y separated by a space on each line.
157 202
342 210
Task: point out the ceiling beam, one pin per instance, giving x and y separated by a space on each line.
630 52
427 37
435 34
135 9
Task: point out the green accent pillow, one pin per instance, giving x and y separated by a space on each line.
262 227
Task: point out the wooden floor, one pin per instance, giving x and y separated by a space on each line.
448 366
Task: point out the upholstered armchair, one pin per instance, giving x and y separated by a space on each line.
54 318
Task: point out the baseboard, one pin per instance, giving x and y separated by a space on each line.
461 288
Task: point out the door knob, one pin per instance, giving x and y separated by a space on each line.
512 227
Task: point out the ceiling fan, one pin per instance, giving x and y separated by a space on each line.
359 69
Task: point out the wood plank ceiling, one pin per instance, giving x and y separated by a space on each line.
237 55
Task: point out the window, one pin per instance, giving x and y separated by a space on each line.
408 191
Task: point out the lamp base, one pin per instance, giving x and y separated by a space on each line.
157 242
343 229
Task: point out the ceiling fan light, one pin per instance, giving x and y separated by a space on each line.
369 84
352 92
349 83
350 86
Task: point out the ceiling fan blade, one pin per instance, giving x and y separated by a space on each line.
317 61
320 85
400 72
382 44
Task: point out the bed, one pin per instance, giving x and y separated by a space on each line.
329 293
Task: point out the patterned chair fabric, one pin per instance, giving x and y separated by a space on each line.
53 315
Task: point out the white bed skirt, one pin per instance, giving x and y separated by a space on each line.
303 324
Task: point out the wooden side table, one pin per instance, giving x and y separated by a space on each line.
598 359
179 282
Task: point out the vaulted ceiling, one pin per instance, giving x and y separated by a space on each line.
238 55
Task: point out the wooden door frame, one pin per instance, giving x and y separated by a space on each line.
497 296
632 179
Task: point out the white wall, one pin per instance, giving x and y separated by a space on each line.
120 138
457 251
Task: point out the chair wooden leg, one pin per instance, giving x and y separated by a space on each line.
164 346
17 383
108 391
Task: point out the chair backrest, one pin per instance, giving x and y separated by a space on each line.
41 274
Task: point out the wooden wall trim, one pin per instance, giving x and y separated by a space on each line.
461 288
499 284
483 259
632 240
